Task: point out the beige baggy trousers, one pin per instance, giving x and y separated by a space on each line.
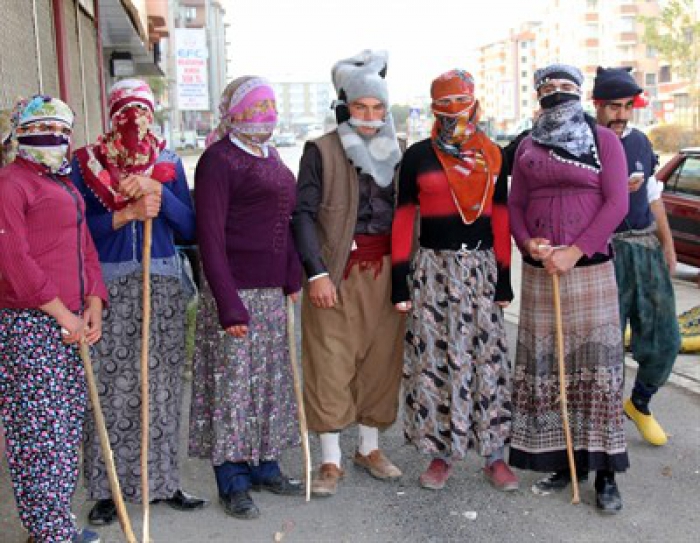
352 354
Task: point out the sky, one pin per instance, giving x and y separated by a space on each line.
304 38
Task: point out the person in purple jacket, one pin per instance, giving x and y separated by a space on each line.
243 411
51 298
568 194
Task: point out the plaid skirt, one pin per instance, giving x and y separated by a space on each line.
593 359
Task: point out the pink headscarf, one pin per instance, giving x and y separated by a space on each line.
247 107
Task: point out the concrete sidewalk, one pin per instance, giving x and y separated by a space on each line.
686 370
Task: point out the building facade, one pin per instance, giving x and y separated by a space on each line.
302 105
584 33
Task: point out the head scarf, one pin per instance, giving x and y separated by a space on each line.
42 127
470 160
362 76
562 124
248 107
130 147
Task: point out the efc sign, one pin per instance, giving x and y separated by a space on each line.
191 57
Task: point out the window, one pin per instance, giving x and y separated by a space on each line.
688 179
524 88
592 4
627 24
664 74
650 80
190 13
523 59
525 103
651 52
592 30
523 45
523 73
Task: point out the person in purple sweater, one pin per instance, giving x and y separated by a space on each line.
243 411
568 194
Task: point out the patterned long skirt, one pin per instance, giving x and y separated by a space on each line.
243 404
42 404
118 375
593 359
456 379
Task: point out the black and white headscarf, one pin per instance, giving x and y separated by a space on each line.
563 125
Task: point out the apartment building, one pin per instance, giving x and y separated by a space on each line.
584 33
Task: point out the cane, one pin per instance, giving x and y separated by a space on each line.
104 443
291 333
145 407
562 389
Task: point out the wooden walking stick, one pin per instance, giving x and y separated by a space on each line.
562 389
291 333
145 403
122 514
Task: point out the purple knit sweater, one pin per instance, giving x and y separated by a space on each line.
243 206
567 204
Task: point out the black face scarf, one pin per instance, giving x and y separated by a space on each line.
556 98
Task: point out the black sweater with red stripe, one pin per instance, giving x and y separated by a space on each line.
422 182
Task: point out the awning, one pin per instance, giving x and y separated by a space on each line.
124 28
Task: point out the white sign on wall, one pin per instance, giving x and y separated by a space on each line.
191 56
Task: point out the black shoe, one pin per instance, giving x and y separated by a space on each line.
103 513
185 502
282 485
240 505
556 482
607 496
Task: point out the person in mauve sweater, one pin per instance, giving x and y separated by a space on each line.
243 412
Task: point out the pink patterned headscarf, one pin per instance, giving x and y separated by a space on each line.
128 92
247 107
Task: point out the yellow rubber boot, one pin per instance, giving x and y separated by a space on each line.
646 424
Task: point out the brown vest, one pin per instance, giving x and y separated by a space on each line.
337 213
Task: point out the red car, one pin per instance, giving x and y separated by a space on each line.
681 196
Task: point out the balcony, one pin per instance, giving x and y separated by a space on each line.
629 9
627 37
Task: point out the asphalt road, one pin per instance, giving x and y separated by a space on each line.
660 492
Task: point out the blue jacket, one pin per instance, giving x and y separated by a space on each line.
120 251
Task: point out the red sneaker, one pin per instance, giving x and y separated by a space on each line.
501 477
436 475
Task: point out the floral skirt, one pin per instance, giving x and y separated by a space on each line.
456 379
42 404
243 404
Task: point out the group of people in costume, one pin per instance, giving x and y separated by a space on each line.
401 258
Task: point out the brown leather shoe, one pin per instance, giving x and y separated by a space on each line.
378 465
325 482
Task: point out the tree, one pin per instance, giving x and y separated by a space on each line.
675 34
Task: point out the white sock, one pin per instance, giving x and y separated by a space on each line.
369 439
330 448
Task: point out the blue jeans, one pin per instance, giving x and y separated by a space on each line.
240 476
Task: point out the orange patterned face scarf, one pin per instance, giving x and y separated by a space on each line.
471 161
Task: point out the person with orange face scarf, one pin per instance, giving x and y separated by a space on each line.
454 289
